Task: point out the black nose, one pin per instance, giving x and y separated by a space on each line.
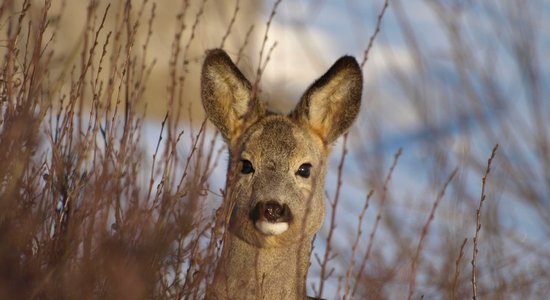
271 211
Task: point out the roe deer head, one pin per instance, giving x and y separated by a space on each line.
275 182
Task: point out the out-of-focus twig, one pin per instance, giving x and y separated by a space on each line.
478 222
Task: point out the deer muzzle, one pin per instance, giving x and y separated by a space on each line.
271 217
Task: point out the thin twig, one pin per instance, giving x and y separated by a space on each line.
231 23
478 221
359 234
412 280
376 31
151 177
457 268
245 43
376 223
260 69
333 205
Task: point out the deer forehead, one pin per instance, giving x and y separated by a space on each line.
278 140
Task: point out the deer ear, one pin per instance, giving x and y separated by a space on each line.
332 102
227 95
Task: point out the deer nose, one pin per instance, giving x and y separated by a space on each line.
271 211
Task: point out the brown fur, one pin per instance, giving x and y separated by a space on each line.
254 265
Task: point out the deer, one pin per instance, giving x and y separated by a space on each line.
276 175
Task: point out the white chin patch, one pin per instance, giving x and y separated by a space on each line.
268 228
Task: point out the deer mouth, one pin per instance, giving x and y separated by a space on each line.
271 217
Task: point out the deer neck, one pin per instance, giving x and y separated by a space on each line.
248 272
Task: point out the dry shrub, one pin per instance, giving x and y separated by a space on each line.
89 209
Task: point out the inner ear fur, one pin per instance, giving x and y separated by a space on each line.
332 102
227 95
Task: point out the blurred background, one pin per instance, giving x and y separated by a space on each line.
103 99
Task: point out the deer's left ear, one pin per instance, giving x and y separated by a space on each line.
332 102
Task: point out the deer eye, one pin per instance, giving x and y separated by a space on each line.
247 167
304 170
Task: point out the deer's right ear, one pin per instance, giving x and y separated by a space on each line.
227 95
332 102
